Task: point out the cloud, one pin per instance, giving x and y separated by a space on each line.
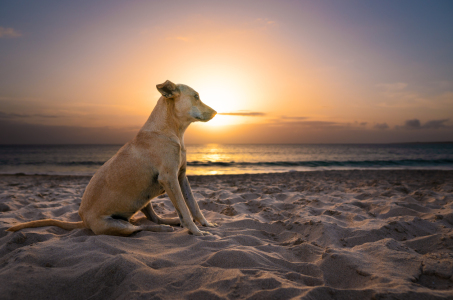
294 118
17 132
399 96
381 126
265 22
435 124
314 131
398 91
179 38
320 124
244 114
313 124
9 33
416 124
301 122
413 124
4 115
393 87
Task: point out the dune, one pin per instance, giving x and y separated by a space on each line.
357 234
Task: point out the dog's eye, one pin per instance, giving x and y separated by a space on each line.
197 97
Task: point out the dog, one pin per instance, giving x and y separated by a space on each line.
152 163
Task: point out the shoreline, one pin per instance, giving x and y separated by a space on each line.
354 234
21 174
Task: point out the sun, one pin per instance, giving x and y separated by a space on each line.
222 102
224 96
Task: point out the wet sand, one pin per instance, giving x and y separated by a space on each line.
299 235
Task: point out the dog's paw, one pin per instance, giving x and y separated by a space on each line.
197 233
209 224
200 233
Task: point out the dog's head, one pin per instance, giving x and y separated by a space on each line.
187 102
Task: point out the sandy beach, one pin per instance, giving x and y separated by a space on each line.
374 234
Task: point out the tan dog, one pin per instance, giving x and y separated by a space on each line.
153 163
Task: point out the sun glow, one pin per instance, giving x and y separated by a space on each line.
224 96
223 64
220 120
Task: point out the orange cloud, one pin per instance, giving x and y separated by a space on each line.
9 33
244 114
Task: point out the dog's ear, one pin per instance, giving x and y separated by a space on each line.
168 89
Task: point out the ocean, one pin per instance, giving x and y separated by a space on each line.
213 159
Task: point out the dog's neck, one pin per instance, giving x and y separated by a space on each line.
163 119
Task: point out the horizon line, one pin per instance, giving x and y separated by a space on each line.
120 144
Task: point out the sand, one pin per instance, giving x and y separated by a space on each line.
373 234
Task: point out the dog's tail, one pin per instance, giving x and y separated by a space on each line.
48 222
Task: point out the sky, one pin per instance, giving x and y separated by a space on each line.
84 72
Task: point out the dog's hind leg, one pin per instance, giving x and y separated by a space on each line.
192 203
111 226
152 216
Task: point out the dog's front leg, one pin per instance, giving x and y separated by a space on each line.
171 184
192 203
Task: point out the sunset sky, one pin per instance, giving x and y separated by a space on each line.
276 71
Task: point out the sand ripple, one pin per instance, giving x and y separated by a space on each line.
315 235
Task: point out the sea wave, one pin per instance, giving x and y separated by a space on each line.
328 163
314 164
44 163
